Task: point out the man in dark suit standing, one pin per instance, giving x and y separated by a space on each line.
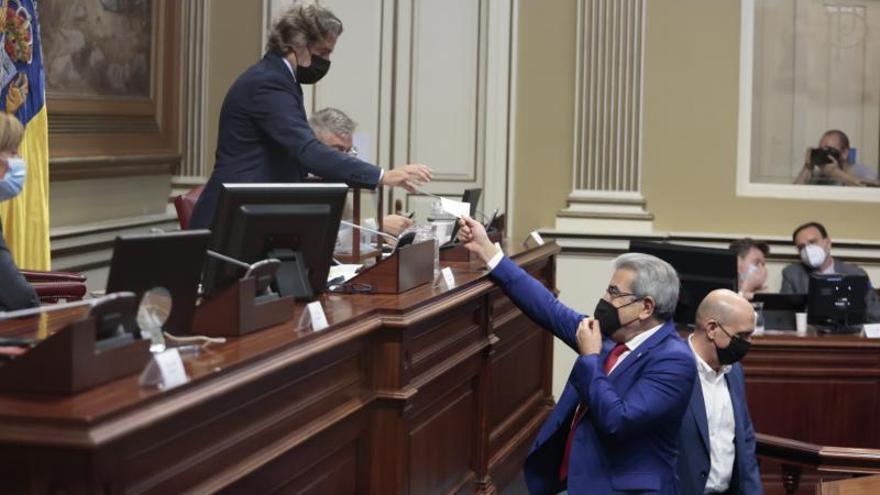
814 247
717 439
264 134
616 427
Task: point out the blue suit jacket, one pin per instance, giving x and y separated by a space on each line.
264 136
628 439
694 461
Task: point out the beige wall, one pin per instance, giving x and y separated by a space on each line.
544 103
234 44
691 98
690 135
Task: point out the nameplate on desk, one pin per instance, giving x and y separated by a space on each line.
448 277
537 238
316 314
872 330
165 370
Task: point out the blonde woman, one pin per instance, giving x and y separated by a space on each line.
15 292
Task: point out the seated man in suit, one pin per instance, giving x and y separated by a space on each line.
334 128
751 262
15 292
814 246
616 427
717 440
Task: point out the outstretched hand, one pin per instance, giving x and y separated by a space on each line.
473 235
409 177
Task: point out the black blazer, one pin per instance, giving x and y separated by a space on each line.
264 136
15 292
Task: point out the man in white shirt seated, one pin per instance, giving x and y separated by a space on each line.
335 129
717 452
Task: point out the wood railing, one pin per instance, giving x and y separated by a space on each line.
799 458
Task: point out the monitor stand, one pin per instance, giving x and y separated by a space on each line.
292 278
839 329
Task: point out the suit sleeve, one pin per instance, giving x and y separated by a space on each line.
15 292
751 474
280 114
787 285
660 393
872 302
537 302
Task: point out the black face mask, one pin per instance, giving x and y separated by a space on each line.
606 314
313 73
735 351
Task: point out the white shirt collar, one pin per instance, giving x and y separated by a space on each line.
703 367
289 67
641 338
830 269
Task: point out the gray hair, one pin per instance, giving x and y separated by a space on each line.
302 25
332 121
654 278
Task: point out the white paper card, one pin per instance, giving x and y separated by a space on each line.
448 277
165 370
872 330
316 313
457 209
537 237
347 272
498 246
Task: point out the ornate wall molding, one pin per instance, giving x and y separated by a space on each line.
607 167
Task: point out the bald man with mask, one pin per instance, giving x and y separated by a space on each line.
717 439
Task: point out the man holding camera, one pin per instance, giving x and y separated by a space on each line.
831 158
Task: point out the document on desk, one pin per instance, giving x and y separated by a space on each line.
347 272
457 209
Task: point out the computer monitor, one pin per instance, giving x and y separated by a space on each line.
170 261
471 197
700 270
836 302
780 309
295 223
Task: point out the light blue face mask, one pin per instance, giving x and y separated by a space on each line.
13 181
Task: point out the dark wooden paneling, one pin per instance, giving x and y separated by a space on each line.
124 136
275 413
816 388
440 445
430 391
434 341
332 462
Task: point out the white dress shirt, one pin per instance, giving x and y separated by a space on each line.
289 67
722 427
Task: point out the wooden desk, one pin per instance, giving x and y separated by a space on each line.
432 391
820 389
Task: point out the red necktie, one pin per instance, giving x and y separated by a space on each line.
610 361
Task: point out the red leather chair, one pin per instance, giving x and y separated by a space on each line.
55 287
184 205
